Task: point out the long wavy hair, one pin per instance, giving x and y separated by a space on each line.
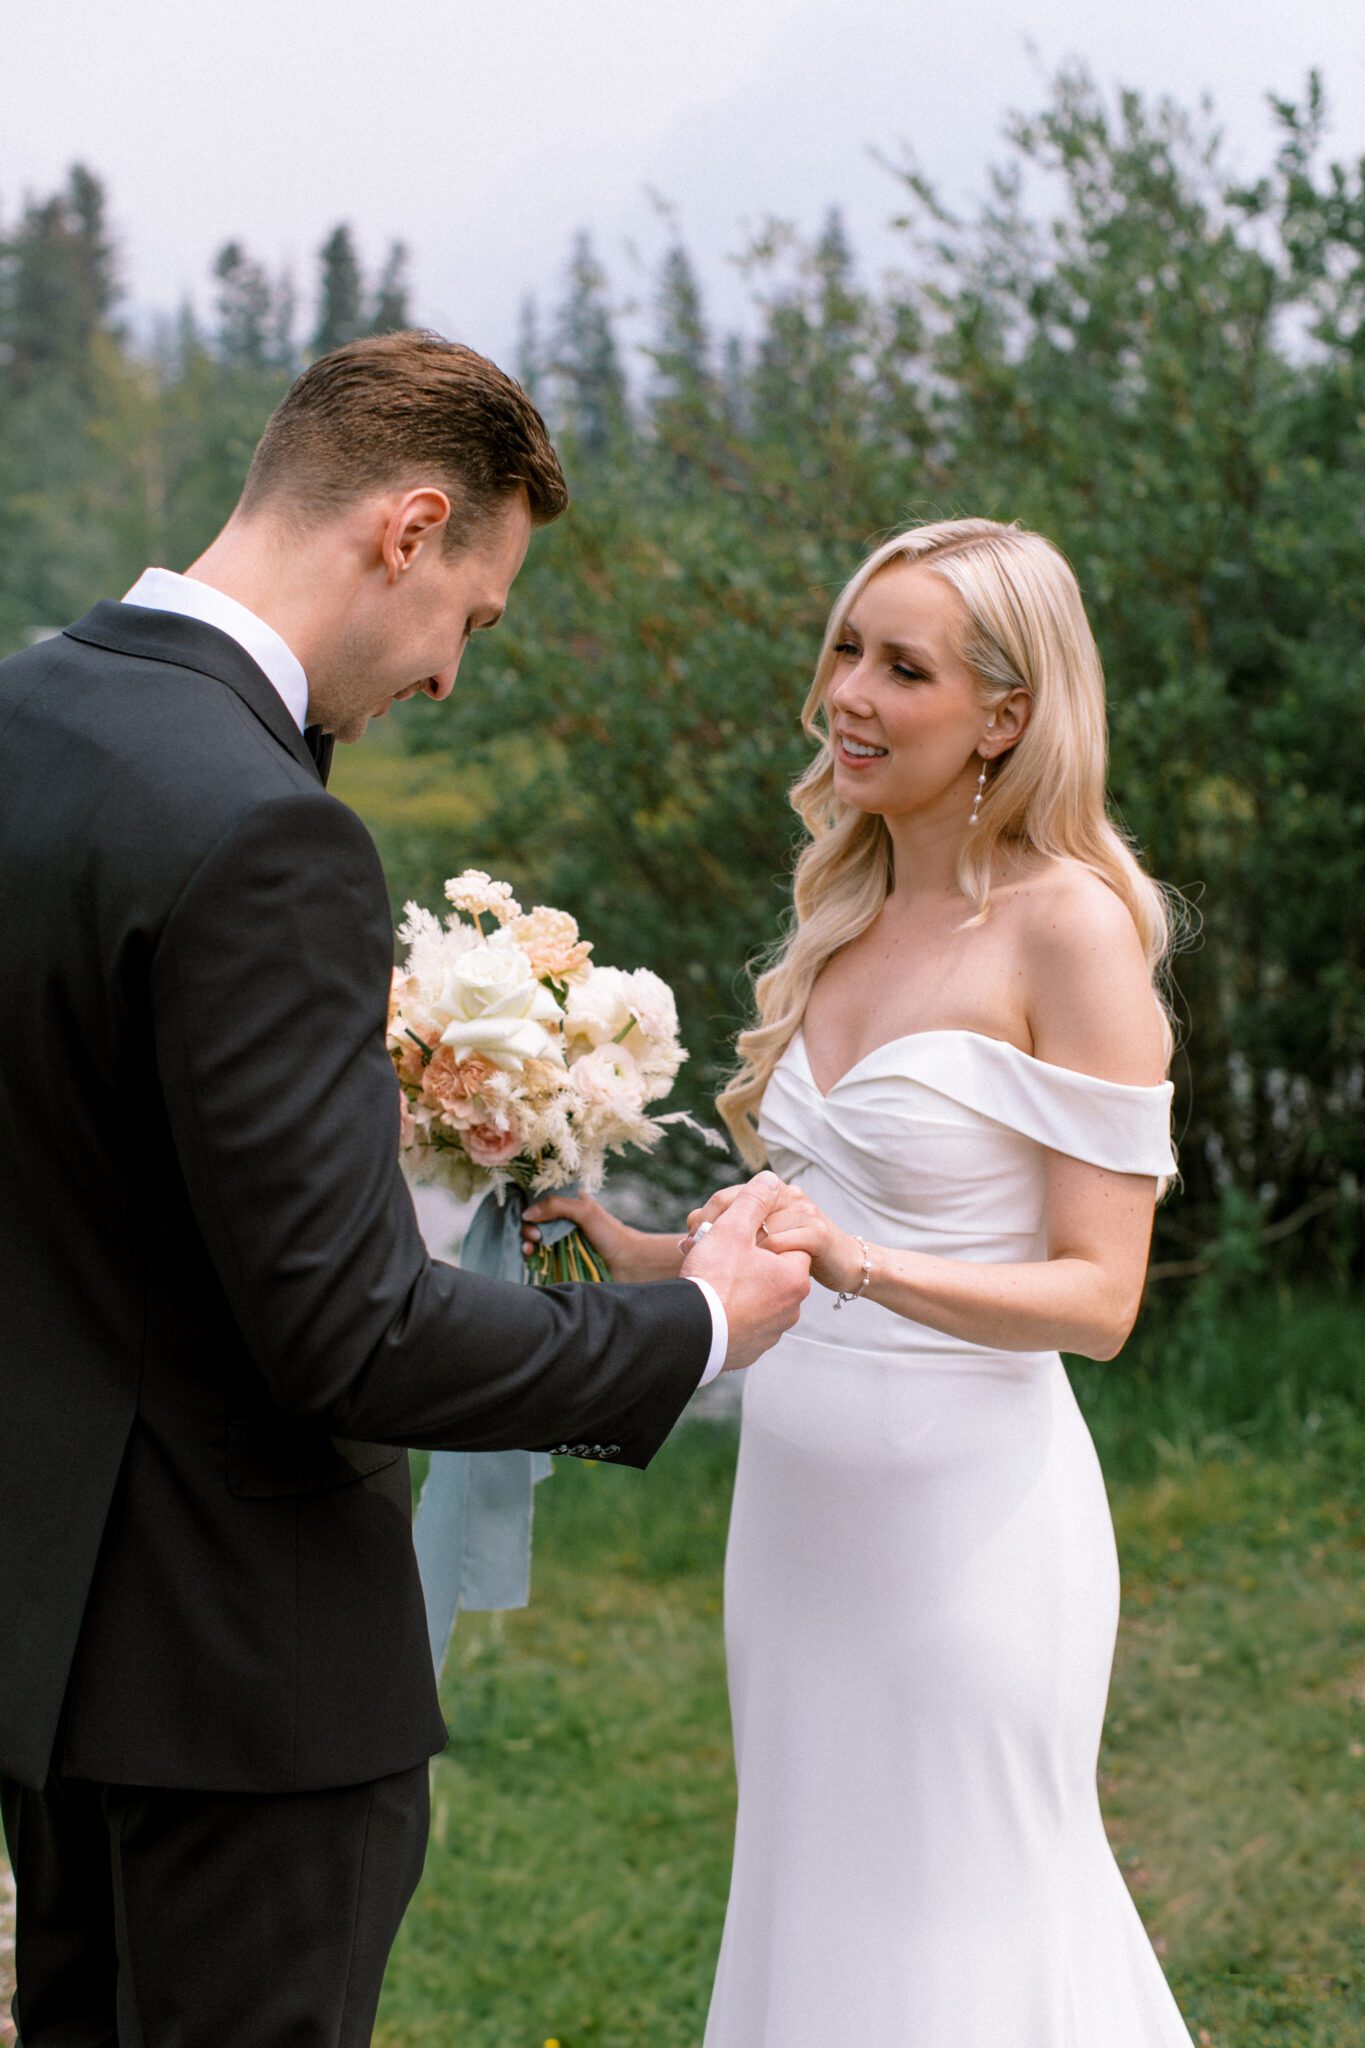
1026 629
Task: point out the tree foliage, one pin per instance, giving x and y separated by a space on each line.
1158 364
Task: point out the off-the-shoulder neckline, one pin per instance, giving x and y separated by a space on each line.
798 1037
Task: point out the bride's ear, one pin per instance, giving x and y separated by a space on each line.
1009 718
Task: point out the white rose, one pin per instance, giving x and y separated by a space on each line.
497 1007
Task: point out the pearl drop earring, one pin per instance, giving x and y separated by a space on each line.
980 784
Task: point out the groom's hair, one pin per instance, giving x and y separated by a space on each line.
406 408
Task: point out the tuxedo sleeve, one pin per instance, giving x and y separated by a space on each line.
269 991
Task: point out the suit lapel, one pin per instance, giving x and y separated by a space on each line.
188 643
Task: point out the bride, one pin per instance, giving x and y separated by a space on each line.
959 1069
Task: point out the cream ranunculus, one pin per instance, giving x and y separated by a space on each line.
598 1010
653 1006
608 1079
498 1008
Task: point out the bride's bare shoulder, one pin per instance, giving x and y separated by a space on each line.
1089 997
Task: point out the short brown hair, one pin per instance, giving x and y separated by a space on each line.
406 407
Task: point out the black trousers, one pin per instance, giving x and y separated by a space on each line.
156 1919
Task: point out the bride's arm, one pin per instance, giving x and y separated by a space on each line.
632 1255
1082 1297
1090 1007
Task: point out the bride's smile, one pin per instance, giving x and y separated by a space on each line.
906 720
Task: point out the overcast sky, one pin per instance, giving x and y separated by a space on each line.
485 135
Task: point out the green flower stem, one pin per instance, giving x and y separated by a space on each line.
572 1258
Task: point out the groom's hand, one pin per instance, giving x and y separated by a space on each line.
762 1291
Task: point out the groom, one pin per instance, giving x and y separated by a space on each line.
218 1324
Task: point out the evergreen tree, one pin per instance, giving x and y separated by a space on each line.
390 309
530 364
684 398
243 332
734 386
255 318
341 293
588 373
57 285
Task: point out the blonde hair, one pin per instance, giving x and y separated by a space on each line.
1026 630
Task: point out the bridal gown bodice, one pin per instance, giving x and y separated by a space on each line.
921 1600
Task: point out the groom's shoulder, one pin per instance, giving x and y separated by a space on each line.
148 763
140 721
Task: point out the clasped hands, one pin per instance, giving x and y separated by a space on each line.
786 1221
794 1224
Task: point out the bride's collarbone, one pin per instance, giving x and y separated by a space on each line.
859 1005
831 1060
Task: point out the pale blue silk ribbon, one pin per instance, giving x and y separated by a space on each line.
473 1527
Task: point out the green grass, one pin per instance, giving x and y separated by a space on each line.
576 1880
429 813
394 790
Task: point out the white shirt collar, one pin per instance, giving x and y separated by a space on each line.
161 590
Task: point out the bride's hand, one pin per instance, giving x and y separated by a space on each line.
630 1254
797 1225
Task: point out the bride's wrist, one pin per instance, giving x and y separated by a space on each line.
657 1253
853 1267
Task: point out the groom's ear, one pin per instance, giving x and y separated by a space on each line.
411 522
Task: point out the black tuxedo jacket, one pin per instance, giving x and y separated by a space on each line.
218 1323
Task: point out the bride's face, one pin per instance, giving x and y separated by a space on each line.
904 714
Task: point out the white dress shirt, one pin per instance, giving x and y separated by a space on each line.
161 590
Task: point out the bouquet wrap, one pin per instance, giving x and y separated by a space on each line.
521 1065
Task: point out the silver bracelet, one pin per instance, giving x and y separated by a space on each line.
861 1288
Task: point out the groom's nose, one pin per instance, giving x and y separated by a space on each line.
442 683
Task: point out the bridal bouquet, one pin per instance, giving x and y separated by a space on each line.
521 1064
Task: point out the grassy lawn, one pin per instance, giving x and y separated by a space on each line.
395 790
579 1857
576 1880
423 811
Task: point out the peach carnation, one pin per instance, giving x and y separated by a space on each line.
457 1087
550 941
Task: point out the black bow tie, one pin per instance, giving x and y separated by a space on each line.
320 745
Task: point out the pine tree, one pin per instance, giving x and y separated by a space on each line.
588 371
255 318
530 362
341 293
390 309
57 285
734 386
684 399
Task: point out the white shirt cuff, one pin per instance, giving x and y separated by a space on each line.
720 1331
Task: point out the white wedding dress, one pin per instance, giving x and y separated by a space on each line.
921 1599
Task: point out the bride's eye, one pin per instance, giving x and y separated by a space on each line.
907 674
847 650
